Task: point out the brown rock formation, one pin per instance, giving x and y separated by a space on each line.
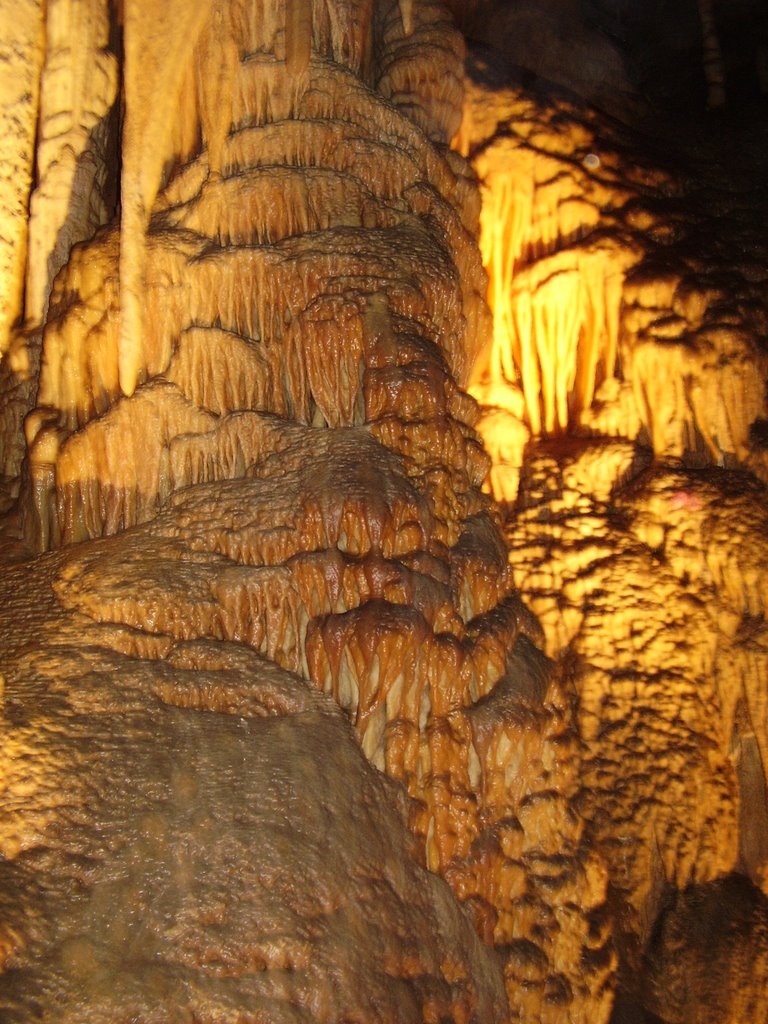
708 959
250 455
630 315
297 725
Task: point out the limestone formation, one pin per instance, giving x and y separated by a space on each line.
617 311
624 406
250 474
298 723
190 831
21 56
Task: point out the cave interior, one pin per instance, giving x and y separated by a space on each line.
382 388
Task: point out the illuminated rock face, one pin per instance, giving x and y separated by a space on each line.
657 601
280 741
624 409
252 475
19 86
620 309
556 237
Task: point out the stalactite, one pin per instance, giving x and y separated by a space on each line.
298 33
78 88
22 58
153 75
608 318
555 279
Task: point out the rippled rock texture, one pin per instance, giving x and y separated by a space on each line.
298 723
624 405
268 685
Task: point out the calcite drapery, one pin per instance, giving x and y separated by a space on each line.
58 141
638 540
250 422
622 306
557 248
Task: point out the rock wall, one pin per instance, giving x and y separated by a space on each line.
624 407
298 725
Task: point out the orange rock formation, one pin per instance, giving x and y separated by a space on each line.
250 455
297 724
632 320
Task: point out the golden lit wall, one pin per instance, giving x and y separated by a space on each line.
623 399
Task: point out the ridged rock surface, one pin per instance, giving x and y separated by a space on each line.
251 475
192 832
297 725
628 296
624 408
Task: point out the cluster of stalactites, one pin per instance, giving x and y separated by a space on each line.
555 276
407 50
241 64
312 300
605 320
265 251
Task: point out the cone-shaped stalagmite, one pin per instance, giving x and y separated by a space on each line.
256 472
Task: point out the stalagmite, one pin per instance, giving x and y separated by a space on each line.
257 476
